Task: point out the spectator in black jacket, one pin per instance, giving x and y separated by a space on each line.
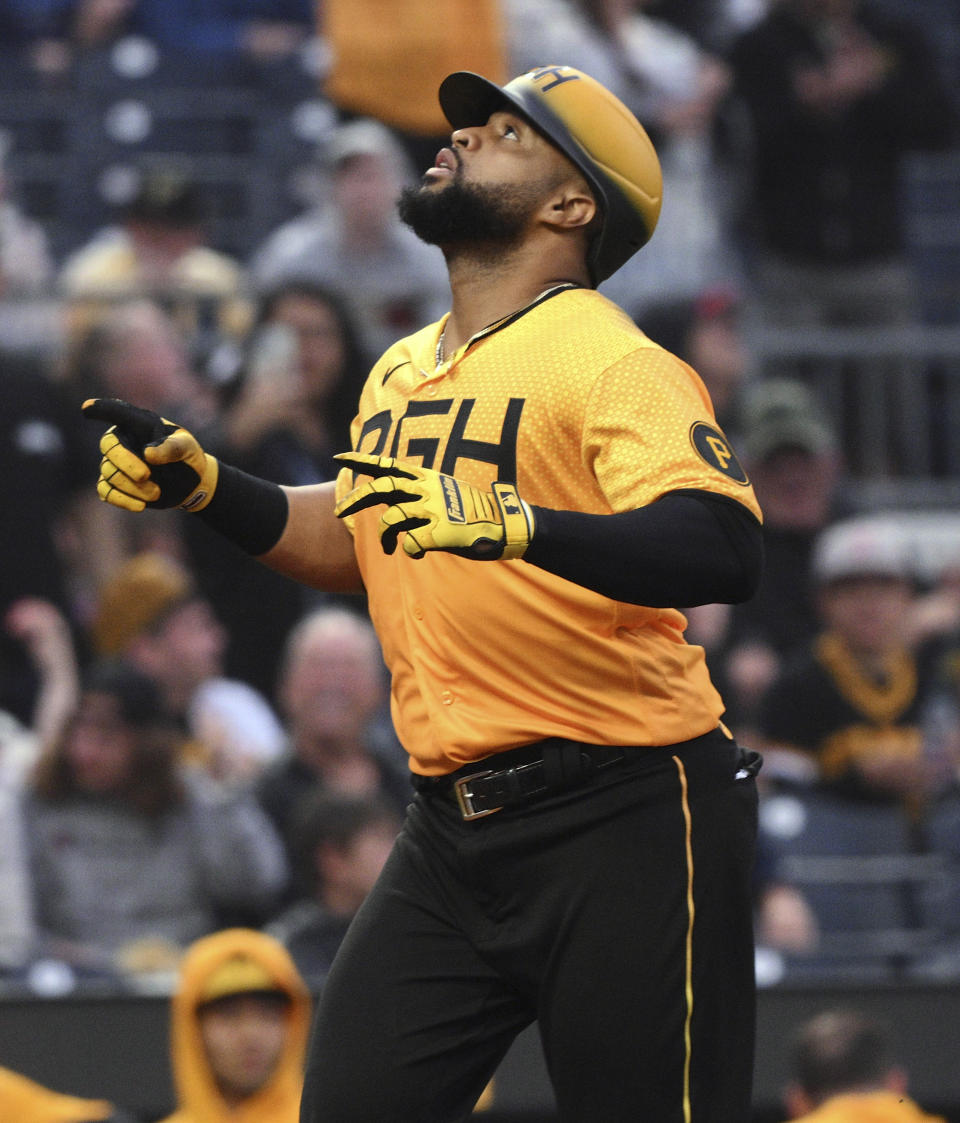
835 92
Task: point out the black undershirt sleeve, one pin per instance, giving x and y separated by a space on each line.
689 547
250 512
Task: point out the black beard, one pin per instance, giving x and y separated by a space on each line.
468 214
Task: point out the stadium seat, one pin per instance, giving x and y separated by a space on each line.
931 203
861 870
37 128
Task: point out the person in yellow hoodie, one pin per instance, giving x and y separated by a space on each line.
239 1024
844 1071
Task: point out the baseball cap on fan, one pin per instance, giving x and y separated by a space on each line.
782 413
363 137
861 547
240 975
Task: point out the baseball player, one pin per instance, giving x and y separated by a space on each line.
535 489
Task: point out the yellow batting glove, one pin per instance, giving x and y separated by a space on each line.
438 512
149 461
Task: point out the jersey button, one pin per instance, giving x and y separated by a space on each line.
432 390
418 612
447 698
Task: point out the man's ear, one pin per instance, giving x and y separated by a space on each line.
571 207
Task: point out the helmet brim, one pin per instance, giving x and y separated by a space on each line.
469 99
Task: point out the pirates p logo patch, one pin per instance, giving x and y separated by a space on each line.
713 447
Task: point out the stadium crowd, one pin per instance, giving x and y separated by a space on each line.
190 744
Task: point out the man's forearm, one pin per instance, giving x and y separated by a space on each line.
293 530
315 548
688 548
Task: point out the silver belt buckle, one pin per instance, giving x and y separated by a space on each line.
465 796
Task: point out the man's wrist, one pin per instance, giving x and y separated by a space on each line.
250 512
518 520
203 493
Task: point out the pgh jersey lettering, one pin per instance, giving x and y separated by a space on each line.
502 453
572 404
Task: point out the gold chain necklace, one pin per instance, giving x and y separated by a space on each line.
439 353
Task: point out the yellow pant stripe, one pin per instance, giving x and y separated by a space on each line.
688 974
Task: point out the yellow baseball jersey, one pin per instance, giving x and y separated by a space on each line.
569 400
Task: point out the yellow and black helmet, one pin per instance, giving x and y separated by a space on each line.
590 126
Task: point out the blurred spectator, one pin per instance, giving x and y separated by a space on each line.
942 716
24 1101
707 332
341 843
26 267
285 414
354 243
153 616
843 1070
298 386
712 22
366 38
135 352
265 29
790 452
938 614
160 250
558 29
332 693
46 637
41 453
848 714
785 921
835 92
677 89
16 906
132 856
238 1031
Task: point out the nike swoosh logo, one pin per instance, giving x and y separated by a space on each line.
383 381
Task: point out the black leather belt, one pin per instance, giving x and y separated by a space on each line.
539 770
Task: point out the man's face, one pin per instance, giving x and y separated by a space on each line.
332 686
191 642
320 341
486 188
870 612
349 872
244 1036
795 487
364 188
100 745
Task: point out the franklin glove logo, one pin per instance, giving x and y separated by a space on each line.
452 499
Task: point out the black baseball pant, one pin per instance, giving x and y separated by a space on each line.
617 915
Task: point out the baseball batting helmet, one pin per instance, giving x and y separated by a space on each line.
592 128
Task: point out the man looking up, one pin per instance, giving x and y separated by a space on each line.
578 852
